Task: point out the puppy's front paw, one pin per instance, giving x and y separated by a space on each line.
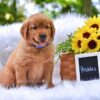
21 83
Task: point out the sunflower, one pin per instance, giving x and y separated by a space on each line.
85 32
93 22
93 45
79 44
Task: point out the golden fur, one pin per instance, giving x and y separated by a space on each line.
28 65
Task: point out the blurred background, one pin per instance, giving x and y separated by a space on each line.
12 11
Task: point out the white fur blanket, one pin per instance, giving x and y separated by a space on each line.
66 90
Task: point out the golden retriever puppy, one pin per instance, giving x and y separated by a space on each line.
32 61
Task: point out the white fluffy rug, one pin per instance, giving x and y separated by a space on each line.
66 90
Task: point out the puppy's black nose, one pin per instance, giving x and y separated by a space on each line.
42 36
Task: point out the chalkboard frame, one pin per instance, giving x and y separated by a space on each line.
77 56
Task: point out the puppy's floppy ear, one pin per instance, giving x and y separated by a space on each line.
24 30
52 29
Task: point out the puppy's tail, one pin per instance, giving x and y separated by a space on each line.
7 79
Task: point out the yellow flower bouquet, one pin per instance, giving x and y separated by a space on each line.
83 40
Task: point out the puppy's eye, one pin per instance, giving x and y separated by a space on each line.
34 27
47 26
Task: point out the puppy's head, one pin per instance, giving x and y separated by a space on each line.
38 30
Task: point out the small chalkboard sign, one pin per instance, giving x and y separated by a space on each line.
87 66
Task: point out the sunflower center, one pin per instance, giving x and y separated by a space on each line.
98 37
95 26
86 35
79 43
92 44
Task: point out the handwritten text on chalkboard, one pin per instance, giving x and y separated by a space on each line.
87 69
